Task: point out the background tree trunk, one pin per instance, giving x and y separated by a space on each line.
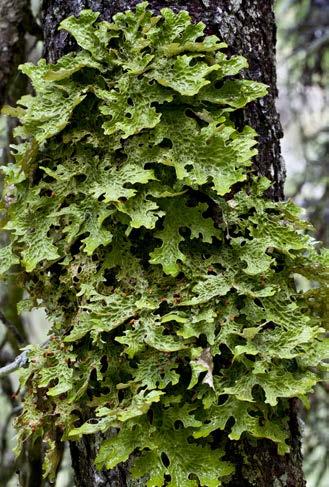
248 27
12 50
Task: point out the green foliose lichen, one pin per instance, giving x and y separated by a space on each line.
169 277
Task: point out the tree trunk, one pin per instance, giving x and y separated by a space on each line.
248 27
12 51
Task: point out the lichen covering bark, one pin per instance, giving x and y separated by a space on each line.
168 276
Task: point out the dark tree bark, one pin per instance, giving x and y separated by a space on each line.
248 27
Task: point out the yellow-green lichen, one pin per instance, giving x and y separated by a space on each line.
168 276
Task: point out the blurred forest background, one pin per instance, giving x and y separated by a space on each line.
303 80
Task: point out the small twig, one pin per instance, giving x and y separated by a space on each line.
19 362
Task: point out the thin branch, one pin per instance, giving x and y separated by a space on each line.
19 362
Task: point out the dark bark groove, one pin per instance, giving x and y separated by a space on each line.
248 27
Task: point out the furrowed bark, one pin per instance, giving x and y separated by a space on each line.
248 27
